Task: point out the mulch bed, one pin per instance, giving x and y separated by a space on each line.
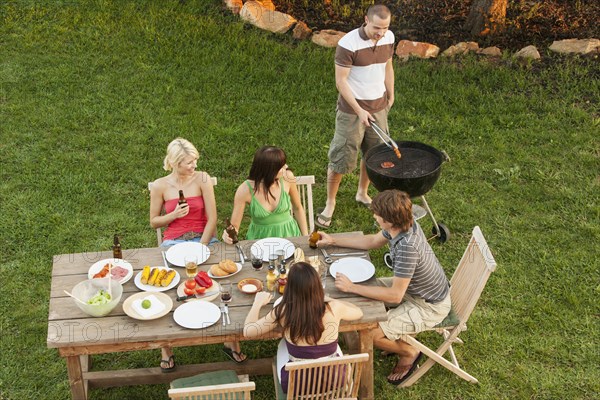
440 21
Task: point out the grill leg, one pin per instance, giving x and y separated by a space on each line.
435 224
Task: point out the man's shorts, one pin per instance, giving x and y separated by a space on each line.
350 135
413 315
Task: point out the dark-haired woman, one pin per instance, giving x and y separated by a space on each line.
271 194
308 319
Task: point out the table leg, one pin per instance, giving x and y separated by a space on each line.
367 380
75 372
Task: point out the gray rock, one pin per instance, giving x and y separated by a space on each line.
578 46
530 52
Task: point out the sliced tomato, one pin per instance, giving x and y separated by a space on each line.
188 291
200 290
190 284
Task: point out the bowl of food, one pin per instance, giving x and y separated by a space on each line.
93 296
250 285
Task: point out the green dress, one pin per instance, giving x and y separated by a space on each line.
278 223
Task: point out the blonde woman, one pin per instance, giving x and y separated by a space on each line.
195 220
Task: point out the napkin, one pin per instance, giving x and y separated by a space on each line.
156 306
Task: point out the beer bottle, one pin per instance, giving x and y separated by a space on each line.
313 239
231 232
182 199
117 253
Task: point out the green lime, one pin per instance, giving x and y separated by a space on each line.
146 304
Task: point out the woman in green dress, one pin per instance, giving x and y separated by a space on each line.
271 194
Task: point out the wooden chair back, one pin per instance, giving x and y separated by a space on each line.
471 275
158 230
229 391
324 379
304 184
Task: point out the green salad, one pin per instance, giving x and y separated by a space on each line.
102 297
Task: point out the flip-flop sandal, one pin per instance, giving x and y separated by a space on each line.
414 366
363 203
168 362
232 353
324 219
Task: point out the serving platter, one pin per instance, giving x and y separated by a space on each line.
117 262
239 268
210 294
152 288
161 304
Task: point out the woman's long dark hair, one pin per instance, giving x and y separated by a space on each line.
303 305
268 160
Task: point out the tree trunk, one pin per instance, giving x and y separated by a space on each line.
486 16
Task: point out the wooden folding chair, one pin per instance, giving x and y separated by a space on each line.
304 184
324 379
467 283
217 385
158 230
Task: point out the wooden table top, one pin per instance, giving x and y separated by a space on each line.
74 332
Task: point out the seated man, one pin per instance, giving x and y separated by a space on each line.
419 290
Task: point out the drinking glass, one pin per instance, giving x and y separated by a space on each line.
323 274
191 265
256 260
280 256
225 290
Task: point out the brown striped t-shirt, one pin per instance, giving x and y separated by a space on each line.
367 62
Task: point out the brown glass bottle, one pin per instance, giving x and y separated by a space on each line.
231 232
182 199
117 252
313 238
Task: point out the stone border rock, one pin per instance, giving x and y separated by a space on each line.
262 14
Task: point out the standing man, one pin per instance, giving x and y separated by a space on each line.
364 77
419 290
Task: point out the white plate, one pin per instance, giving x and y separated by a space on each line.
176 254
239 268
161 297
210 294
197 314
269 246
355 268
152 288
117 262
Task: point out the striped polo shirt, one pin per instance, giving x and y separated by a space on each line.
413 258
366 61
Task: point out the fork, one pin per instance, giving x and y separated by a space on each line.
223 314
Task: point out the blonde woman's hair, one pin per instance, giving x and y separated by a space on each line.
177 150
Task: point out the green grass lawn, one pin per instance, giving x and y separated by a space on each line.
91 92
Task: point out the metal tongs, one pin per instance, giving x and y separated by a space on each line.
389 142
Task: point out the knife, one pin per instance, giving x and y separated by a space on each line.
184 298
347 254
227 314
242 259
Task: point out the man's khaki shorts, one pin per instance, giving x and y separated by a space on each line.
350 135
413 315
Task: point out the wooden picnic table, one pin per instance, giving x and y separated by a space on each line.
77 335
